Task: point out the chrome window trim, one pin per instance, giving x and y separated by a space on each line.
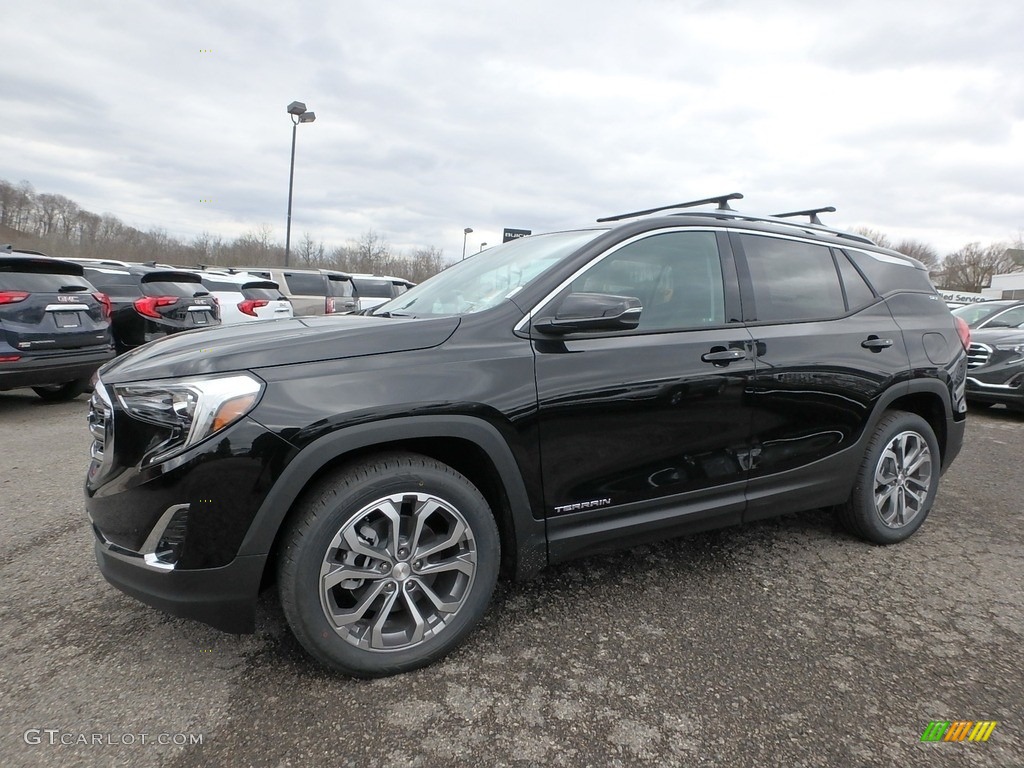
528 318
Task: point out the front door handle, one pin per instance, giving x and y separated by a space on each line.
876 344
724 356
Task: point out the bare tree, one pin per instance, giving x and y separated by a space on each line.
920 251
878 238
424 263
971 268
310 253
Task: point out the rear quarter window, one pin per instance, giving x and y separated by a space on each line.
890 273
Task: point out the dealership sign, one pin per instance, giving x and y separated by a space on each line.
515 234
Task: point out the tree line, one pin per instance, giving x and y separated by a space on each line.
58 225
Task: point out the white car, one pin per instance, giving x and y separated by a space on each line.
374 290
244 297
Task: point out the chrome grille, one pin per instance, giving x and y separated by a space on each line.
978 355
100 414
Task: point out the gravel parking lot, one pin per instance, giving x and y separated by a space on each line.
783 643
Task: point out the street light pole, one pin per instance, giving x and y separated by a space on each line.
298 113
465 233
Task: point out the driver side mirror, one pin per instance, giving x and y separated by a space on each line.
592 312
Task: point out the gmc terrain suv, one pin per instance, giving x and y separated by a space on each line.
151 302
54 325
555 396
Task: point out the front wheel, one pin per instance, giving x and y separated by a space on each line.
388 565
897 481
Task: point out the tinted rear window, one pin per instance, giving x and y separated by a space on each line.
34 282
339 287
792 280
306 284
218 285
271 294
114 283
376 289
184 290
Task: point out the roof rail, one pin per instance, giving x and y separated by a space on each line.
808 227
812 213
722 200
7 248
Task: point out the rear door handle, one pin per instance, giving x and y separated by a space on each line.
876 344
725 356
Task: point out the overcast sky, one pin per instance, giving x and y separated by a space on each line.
539 114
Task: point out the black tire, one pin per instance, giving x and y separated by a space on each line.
61 392
897 480
399 605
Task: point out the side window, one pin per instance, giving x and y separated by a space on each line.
792 280
677 276
858 292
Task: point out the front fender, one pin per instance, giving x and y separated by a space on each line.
530 535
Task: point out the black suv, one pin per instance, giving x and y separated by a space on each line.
149 303
552 397
995 368
54 325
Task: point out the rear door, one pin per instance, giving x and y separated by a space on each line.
827 348
178 300
47 305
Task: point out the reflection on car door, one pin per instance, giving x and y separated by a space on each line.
653 419
809 303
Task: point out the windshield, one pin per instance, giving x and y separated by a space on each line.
487 278
974 314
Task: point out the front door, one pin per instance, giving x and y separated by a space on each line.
646 430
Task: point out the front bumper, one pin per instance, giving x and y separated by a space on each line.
224 598
996 389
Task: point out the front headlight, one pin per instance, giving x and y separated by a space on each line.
1017 348
189 410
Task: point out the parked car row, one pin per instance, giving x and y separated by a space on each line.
60 319
995 367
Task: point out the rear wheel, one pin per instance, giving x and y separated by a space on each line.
897 480
388 565
58 392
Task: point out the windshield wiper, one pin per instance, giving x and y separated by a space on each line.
394 314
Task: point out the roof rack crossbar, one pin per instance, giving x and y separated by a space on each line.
812 213
722 200
806 227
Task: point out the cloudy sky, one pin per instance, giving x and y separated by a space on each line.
908 116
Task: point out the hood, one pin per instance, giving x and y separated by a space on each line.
276 342
993 336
